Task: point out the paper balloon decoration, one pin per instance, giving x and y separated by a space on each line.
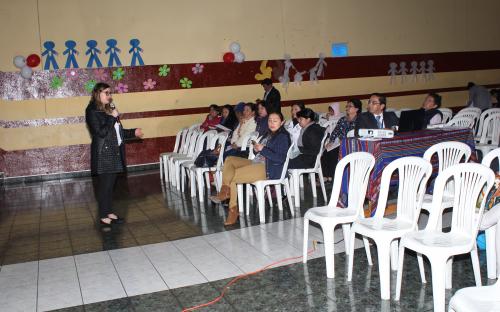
234 47
19 61
228 57
239 57
26 72
33 60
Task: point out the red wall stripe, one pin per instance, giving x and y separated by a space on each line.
217 74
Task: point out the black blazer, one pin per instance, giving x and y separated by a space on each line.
105 154
311 140
367 120
273 101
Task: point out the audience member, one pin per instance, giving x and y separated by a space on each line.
292 125
267 164
213 118
261 119
432 114
309 141
345 124
229 119
376 117
246 126
479 96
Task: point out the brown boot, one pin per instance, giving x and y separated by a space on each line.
233 215
223 195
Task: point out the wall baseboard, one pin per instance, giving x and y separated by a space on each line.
66 175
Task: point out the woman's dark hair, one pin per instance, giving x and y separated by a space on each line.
357 103
95 98
251 105
214 107
280 129
307 113
231 119
436 97
279 114
300 105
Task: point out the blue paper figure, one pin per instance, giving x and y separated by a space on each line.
71 51
136 50
113 53
93 51
49 55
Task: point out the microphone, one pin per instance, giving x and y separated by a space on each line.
113 107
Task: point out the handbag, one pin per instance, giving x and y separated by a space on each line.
207 158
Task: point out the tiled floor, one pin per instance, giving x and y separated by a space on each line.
173 253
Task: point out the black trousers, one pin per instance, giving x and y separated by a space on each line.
103 188
329 162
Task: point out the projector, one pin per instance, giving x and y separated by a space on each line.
376 133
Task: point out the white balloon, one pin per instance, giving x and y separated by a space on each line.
234 47
239 57
19 61
26 72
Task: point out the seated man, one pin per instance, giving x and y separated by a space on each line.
432 114
376 117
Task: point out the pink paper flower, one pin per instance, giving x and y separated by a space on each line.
100 74
121 88
149 84
71 73
197 69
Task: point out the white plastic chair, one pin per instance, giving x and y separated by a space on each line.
448 154
199 175
470 109
491 232
484 298
186 148
260 187
469 179
413 174
484 115
461 121
179 140
295 175
490 137
447 114
359 164
474 114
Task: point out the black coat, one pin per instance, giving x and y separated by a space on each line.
273 101
311 144
105 154
367 120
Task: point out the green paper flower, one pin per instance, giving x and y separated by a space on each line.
118 74
186 83
163 71
56 82
89 85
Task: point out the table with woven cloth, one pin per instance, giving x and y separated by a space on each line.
405 144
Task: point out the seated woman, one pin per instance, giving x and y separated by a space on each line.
432 114
309 141
261 119
292 125
229 119
267 164
332 145
213 118
246 126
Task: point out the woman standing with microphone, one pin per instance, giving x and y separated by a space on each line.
107 153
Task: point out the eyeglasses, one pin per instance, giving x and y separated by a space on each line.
374 103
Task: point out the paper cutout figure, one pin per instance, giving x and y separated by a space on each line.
285 78
70 51
402 71
414 71
93 51
265 71
113 51
422 69
136 52
393 71
49 54
318 70
430 70
297 78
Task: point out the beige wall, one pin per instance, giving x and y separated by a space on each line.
173 31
